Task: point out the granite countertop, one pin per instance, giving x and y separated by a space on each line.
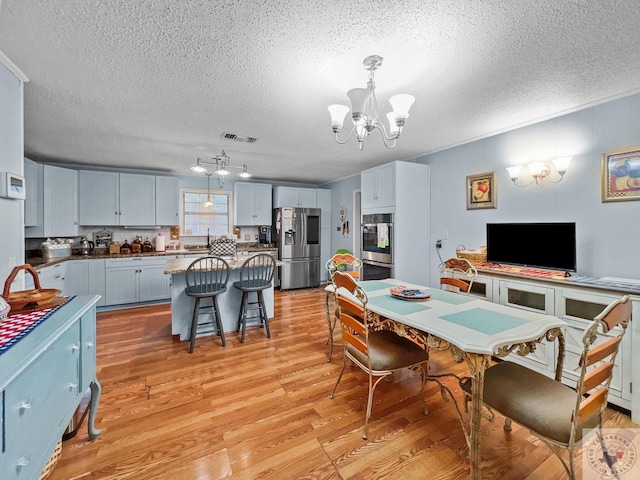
177 266
40 262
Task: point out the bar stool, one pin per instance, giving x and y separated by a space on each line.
256 275
207 277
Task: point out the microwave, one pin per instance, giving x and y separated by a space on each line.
12 186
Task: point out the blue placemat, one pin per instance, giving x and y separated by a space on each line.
401 307
449 297
484 321
373 285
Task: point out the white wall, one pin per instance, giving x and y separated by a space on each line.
607 233
11 151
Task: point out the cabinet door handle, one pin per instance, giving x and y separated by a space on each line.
74 347
26 404
73 385
22 462
90 344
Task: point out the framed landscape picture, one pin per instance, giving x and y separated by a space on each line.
621 175
481 191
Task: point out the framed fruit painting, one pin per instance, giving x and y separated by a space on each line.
482 191
621 175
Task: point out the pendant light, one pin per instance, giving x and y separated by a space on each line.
208 202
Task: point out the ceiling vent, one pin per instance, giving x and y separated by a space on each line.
238 138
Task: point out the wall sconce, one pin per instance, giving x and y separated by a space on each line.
539 170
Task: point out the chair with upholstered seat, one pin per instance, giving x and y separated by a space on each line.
350 265
256 275
206 277
457 275
553 412
379 353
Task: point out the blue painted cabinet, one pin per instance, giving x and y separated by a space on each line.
42 377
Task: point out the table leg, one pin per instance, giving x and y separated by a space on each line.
477 365
331 298
93 407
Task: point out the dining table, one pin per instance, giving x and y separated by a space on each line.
473 329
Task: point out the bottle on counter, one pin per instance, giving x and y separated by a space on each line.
125 248
136 245
146 246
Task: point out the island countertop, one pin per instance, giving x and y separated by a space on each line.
178 266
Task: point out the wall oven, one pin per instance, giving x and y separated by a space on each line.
377 246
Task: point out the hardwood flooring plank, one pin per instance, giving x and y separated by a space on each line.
261 410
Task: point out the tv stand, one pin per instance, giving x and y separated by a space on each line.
577 300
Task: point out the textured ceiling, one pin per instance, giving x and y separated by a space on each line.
153 84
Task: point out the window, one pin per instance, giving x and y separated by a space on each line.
198 220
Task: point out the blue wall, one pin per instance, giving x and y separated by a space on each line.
607 233
342 194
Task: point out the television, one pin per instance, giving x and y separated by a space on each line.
542 245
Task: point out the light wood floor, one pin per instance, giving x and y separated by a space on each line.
262 410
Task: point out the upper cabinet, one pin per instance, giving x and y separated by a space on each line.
378 186
55 213
294 197
108 198
168 201
251 203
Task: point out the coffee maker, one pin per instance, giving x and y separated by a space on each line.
264 235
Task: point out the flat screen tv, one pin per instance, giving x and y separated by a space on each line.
542 245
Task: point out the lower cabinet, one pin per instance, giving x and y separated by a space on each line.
133 280
84 277
42 378
577 306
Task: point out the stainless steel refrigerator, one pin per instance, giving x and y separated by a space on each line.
296 232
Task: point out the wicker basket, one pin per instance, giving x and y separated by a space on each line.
477 257
53 460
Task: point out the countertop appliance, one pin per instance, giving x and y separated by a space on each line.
83 247
264 235
296 233
377 246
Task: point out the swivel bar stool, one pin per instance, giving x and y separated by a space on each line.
207 277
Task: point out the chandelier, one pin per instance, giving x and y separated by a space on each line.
222 166
364 110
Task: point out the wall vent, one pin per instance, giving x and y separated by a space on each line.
238 138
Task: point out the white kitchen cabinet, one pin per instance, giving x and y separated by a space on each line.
577 305
535 298
137 279
98 198
378 186
137 199
33 174
85 277
57 199
167 201
107 198
578 308
294 197
252 203
50 277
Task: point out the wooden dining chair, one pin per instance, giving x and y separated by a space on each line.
553 412
350 265
452 270
380 352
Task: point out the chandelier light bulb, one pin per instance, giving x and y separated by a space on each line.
514 172
244 173
338 113
198 167
562 164
358 98
394 129
401 104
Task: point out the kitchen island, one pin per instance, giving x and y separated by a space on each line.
228 302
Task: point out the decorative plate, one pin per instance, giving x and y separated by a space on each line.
404 293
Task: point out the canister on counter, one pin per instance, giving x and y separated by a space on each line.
114 247
125 248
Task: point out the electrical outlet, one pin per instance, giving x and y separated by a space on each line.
438 243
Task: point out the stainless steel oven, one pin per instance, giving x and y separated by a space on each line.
377 246
376 270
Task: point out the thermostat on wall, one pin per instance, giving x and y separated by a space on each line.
12 186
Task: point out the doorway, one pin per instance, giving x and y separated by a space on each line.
357 230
